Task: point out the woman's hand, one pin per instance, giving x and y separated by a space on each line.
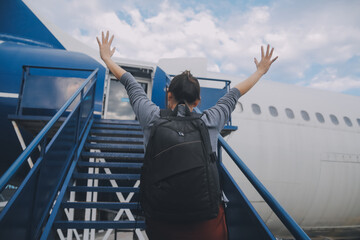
265 62
106 54
262 67
105 45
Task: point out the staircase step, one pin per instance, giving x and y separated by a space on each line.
115 121
103 205
116 127
116 140
116 147
109 164
115 176
104 189
115 156
99 224
122 133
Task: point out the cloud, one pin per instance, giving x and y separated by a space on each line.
308 33
304 33
329 79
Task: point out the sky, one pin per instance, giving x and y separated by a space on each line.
318 42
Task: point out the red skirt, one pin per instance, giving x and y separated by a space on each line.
213 229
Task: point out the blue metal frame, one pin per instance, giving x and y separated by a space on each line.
40 187
285 218
227 82
26 72
161 82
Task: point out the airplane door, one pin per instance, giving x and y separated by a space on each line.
117 103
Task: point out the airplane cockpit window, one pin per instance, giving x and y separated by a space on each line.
256 109
320 117
348 121
273 111
334 119
289 113
239 106
358 120
305 115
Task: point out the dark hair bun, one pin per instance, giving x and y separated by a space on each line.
185 87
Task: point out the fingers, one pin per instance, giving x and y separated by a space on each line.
97 39
105 39
274 60
111 39
271 53
112 51
268 52
265 61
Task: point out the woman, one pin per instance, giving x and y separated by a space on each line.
184 88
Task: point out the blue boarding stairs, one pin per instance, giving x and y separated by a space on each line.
86 177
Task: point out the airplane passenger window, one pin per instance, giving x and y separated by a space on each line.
305 115
239 106
289 113
256 109
348 121
334 119
320 117
273 111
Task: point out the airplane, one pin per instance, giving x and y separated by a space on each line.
301 143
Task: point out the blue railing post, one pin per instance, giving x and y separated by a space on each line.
78 123
22 86
93 96
43 147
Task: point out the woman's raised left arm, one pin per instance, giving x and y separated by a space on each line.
106 53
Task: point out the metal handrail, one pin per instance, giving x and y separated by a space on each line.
285 218
41 135
227 82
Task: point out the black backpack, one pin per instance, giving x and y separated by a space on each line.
179 178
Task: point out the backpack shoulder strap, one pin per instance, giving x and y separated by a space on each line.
163 119
204 134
